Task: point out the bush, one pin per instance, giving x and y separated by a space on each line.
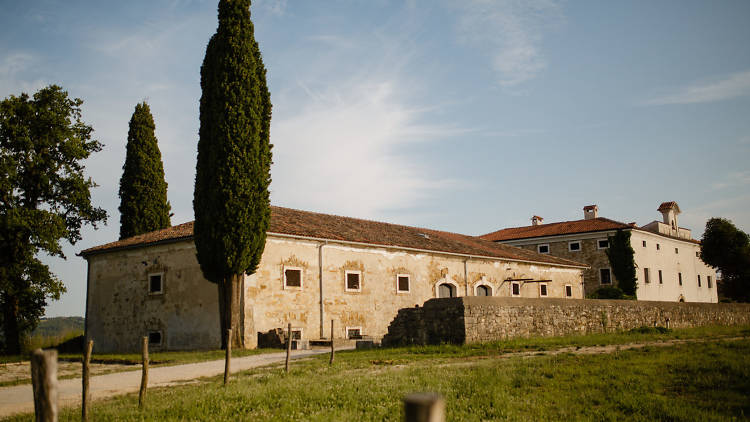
649 330
607 293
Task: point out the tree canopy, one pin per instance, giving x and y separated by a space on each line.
621 258
143 191
231 199
44 199
727 248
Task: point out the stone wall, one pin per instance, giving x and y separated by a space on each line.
483 319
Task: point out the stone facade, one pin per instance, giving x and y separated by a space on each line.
483 319
120 309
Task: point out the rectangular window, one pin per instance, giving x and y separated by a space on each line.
605 276
574 246
676 250
543 248
353 282
402 283
603 243
646 279
644 243
515 289
154 338
296 334
155 283
699 280
658 246
543 290
354 333
292 277
679 278
708 280
568 290
661 280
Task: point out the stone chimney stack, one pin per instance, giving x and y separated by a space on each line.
590 211
536 220
669 211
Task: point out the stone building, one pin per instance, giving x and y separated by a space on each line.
668 266
315 268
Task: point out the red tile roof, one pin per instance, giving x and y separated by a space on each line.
554 229
286 221
668 205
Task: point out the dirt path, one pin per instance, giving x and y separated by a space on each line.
20 398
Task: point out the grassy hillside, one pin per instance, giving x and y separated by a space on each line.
58 326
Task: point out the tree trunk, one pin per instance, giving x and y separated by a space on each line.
10 325
230 300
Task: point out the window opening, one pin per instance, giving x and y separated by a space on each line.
402 282
353 281
484 291
155 284
292 277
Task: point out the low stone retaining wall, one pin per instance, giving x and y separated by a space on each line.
475 319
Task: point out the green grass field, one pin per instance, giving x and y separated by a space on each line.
699 380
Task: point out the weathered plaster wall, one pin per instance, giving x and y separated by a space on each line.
121 311
482 319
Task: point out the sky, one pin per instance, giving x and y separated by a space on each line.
465 116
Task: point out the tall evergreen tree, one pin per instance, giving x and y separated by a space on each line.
233 172
44 199
621 257
143 191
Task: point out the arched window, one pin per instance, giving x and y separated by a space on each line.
484 290
446 290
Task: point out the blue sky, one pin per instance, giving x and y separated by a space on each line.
463 116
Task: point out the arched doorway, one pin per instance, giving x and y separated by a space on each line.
484 290
446 290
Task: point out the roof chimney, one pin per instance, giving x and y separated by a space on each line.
590 211
536 220
669 211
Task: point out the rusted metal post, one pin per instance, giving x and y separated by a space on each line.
144 372
228 357
333 350
85 394
44 384
288 345
424 407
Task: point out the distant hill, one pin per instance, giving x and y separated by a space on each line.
58 326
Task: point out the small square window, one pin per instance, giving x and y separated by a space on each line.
574 246
353 282
658 247
402 281
708 280
699 280
515 289
644 243
154 338
543 248
353 333
543 290
605 276
568 290
296 334
679 278
646 278
603 243
155 283
292 277
661 280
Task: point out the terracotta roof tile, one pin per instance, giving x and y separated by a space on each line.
324 226
554 229
668 205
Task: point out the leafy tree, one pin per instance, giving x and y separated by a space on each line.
620 254
143 191
727 248
44 199
233 172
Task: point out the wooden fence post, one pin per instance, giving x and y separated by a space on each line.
228 357
288 345
85 394
424 407
44 384
330 362
144 373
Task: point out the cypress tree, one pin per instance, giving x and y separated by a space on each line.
621 258
233 172
143 191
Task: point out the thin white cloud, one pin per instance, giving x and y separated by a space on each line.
510 31
736 178
14 77
732 86
340 152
